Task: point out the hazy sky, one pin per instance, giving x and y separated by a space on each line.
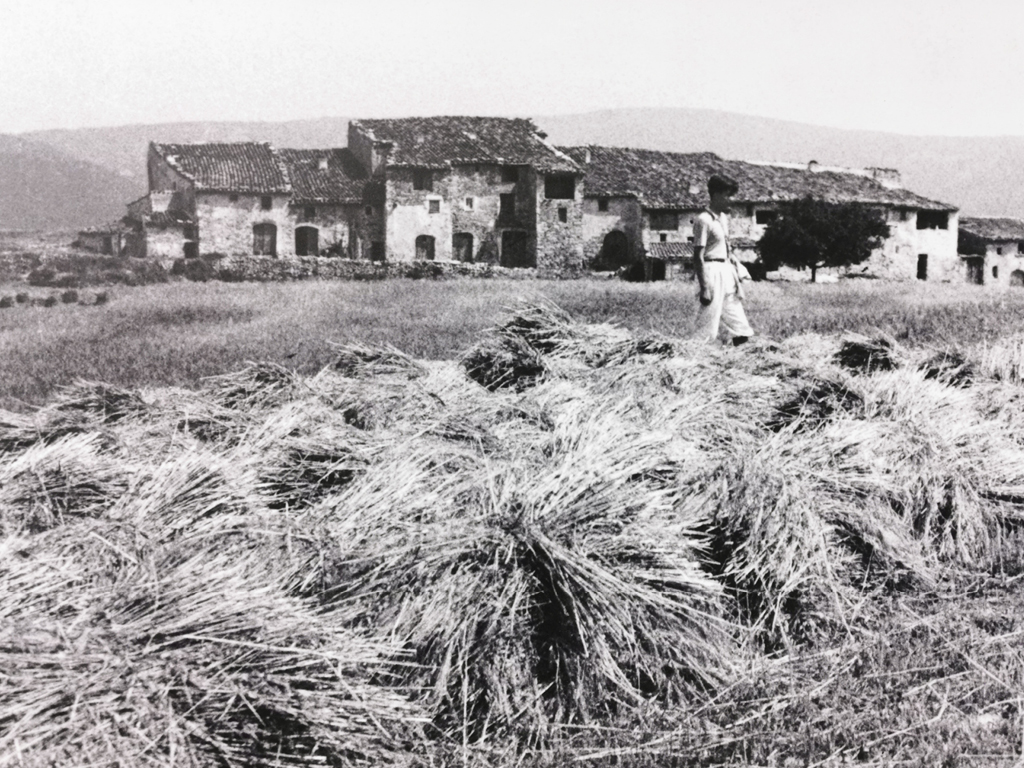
910 66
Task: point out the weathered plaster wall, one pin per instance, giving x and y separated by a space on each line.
623 214
559 244
408 215
347 229
1006 263
684 234
164 243
225 226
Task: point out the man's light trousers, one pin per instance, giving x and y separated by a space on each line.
726 307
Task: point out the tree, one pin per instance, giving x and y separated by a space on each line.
810 233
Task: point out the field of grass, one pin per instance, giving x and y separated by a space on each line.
581 544
179 332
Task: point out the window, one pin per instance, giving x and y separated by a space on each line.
507 207
764 217
664 220
663 237
689 239
266 202
922 266
560 186
1020 247
368 210
307 241
995 271
563 214
376 251
602 204
191 250
425 248
433 206
469 203
190 232
233 197
509 173
423 180
904 214
264 239
932 220
309 212
999 250
750 211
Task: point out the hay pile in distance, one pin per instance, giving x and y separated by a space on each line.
394 558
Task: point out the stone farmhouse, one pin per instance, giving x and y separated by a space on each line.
992 250
642 203
495 191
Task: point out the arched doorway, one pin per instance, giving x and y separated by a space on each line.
462 246
307 241
264 239
424 248
1017 278
614 252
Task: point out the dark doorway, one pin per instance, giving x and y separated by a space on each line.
108 244
191 249
462 246
922 266
1017 279
507 208
307 241
264 239
657 269
425 248
513 249
976 271
614 252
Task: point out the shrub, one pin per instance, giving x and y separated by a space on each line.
102 298
22 298
69 297
42 276
6 301
50 301
196 270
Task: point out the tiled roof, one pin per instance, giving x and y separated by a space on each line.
991 230
440 142
248 167
342 181
679 180
673 252
656 179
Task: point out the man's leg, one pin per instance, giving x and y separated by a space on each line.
734 318
709 316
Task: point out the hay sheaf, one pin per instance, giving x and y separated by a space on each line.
569 527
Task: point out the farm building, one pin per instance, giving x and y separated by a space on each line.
495 191
109 239
638 202
477 189
992 250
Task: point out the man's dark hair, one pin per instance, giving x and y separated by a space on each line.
719 183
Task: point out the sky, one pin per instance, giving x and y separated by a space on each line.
922 67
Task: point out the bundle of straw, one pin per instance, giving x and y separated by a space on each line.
863 354
372 360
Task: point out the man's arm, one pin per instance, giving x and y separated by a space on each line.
700 241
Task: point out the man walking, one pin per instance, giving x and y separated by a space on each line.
717 270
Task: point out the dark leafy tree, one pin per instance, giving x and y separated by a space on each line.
811 234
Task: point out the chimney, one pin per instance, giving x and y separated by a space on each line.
323 163
586 155
887 177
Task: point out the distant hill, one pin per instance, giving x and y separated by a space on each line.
43 188
106 167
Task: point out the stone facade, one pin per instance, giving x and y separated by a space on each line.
992 251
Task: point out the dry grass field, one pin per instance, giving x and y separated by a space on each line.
177 333
537 539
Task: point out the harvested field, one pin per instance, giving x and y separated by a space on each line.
577 543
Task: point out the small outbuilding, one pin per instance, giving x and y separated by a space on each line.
992 250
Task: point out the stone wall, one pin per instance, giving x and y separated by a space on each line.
164 180
623 214
683 234
1000 267
345 229
559 244
258 268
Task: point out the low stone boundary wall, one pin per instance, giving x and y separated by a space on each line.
262 268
